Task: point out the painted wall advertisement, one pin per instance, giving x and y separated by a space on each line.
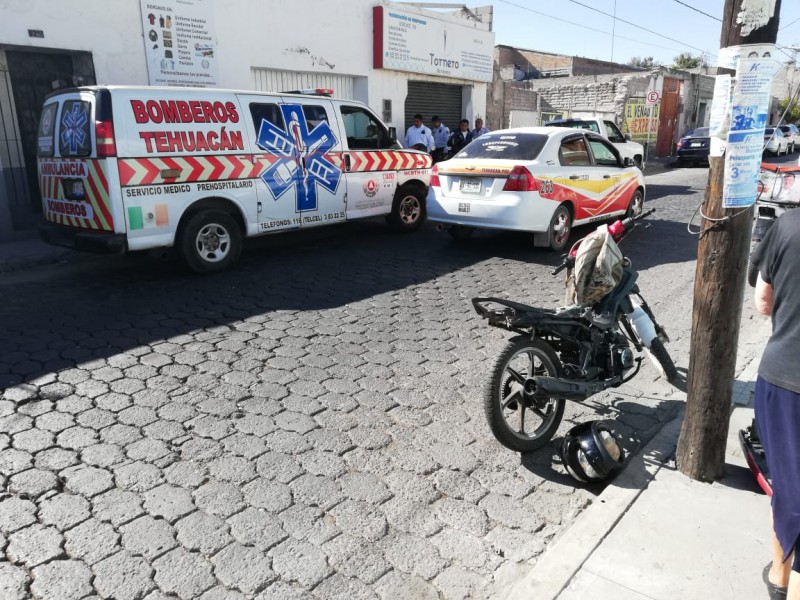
749 108
419 44
180 42
638 116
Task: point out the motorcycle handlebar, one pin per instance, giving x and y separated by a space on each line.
626 223
569 261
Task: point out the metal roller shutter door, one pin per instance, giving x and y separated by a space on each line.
430 99
274 80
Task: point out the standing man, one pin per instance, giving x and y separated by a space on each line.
441 134
460 138
777 397
418 137
479 129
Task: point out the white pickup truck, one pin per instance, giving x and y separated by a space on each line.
608 130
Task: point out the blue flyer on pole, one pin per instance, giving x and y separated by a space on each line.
749 109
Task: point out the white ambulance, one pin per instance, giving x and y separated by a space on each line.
136 168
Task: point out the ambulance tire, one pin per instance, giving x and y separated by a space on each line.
408 209
210 241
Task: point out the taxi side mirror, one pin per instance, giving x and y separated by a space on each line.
628 161
392 134
628 137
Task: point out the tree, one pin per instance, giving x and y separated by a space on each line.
685 60
647 62
793 114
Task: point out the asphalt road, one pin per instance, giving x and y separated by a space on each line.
307 425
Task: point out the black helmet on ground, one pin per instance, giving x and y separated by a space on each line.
591 452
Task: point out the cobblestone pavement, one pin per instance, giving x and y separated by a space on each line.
308 425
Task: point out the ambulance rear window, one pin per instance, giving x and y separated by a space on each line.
47 122
74 132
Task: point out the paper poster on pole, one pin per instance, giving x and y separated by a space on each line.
720 106
180 42
749 108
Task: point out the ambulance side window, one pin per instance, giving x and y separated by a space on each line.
314 115
75 134
47 127
268 112
363 130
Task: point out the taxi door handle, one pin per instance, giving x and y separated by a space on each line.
606 176
574 176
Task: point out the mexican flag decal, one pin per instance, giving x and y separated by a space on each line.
148 217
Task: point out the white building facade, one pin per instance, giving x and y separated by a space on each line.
397 58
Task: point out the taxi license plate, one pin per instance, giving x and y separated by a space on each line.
470 185
696 144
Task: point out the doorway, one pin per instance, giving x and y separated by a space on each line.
33 76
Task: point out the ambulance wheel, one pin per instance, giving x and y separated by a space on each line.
408 209
210 242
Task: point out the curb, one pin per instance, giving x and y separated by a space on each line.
564 558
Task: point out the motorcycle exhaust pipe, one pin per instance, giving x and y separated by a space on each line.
542 388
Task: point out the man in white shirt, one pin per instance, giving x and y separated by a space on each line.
440 136
418 136
479 129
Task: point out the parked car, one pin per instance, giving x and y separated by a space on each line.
694 146
608 130
775 142
792 134
538 179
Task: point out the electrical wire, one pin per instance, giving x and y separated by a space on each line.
698 10
597 10
650 44
789 25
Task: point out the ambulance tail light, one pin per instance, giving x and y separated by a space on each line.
521 180
104 136
435 176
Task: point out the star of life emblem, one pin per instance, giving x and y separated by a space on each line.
301 162
72 133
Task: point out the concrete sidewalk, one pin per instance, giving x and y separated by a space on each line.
654 534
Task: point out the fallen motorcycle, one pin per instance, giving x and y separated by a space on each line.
570 353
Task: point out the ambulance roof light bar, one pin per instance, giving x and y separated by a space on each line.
311 92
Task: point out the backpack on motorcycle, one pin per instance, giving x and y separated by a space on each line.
598 267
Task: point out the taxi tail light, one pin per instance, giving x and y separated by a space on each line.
435 176
104 135
521 180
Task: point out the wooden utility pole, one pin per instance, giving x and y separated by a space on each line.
719 281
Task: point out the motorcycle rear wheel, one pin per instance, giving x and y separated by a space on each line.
663 361
503 403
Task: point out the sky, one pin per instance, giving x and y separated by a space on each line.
541 25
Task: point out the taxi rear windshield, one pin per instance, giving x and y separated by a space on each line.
513 146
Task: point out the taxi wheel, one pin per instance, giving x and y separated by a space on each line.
408 209
210 242
636 206
560 228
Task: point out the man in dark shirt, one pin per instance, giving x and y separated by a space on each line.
777 399
460 138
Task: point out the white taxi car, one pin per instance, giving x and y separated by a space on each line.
538 179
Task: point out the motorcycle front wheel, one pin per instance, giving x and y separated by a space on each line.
663 361
518 422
